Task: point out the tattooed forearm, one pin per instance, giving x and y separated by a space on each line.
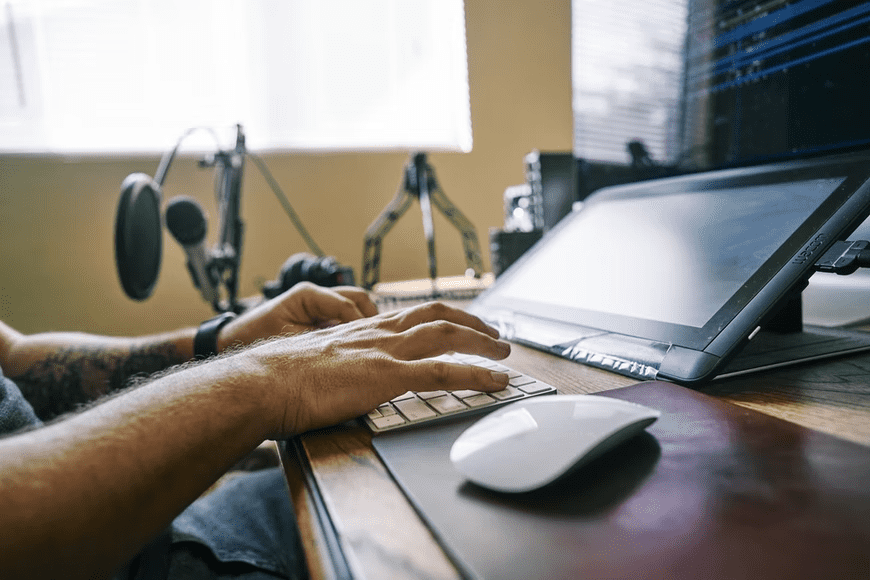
75 376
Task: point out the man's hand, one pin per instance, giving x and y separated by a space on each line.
338 373
302 308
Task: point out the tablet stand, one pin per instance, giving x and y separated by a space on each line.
419 182
789 318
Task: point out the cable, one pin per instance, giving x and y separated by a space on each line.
169 156
276 189
845 257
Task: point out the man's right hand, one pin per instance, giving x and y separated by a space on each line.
331 375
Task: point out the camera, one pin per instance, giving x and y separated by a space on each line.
321 270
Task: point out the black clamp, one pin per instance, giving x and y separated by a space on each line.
205 341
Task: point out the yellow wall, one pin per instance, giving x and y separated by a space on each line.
57 214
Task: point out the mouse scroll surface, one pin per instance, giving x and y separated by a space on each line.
528 444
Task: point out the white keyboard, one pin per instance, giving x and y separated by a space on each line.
415 408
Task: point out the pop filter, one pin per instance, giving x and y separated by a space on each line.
138 235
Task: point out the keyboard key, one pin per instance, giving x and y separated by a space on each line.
479 400
426 395
487 364
415 409
507 394
390 421
535 387
386 409
512 374
406 395
520 381
464 394
447 404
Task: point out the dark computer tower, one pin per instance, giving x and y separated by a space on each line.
553 177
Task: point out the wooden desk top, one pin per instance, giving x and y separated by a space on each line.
381 535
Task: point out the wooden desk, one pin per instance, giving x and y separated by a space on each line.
381 535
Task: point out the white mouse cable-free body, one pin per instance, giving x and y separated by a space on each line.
531 443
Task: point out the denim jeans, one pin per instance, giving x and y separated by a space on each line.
245 529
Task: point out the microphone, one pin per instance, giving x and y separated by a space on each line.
185 220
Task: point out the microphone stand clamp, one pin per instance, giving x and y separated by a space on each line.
224 258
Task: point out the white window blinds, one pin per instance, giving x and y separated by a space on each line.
97 76
627 71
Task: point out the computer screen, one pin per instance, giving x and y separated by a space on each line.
773 80
700 247
706 84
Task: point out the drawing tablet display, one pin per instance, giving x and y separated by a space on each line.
669 278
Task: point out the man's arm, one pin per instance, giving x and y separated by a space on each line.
59 371
81 496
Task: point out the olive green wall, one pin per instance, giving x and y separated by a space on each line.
57 214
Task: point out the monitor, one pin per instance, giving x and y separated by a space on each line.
671 278
711 84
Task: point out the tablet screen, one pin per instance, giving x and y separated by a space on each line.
699 247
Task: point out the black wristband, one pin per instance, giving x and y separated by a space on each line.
205 341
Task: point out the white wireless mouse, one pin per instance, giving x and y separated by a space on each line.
530 443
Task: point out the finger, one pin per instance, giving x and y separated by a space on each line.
324 304
435 338
361 298
433 311
432 375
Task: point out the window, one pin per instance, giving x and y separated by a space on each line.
97 76
627 61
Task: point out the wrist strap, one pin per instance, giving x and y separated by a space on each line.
205 341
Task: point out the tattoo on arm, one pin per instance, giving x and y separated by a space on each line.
73 377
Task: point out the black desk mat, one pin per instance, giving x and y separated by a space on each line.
712 490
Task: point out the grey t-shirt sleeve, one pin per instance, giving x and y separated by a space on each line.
15 412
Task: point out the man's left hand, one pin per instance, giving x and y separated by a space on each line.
303 307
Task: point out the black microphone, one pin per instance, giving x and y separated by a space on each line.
185 220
